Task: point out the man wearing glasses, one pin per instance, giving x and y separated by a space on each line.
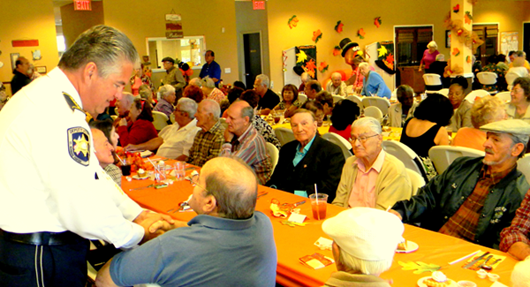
227 244
371 178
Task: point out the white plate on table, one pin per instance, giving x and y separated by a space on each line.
452 283
411 247
139 178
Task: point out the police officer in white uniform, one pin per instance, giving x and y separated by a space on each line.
51 198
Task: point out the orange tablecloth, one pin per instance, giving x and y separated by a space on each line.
295 242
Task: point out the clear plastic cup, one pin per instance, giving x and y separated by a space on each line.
180 170
319 207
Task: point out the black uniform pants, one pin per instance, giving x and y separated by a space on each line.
43 265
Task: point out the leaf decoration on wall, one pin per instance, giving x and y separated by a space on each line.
468 59
382 51
377 22
311 65
336 51
317 35
456 52
468 17
361 33
293 22
301 57
323 67
456 9
419 266
339 26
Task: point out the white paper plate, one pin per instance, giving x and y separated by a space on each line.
411 247
452 283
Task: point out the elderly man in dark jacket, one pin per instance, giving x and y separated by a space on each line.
475 198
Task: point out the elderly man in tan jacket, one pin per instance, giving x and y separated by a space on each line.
371 178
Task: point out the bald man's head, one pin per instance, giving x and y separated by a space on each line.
239 117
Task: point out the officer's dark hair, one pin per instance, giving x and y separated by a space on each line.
107 47
103 125
211 53
145 108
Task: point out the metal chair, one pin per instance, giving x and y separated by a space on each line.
284 135
159 120
476 94
487 78
407 156
433 80
344 145
416 180
443 155
510 78
504 96
523 165
374 112
337 98
444 92
357 100
382 103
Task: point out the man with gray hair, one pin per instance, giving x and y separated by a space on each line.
268 98
336 86
475 198
173 76
48 210
167 99
228 243
174 141
519 55
364 243
243 140
208 141
371 178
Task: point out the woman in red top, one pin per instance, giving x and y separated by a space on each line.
141 128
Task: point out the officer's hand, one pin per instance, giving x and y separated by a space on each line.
161 226
146 219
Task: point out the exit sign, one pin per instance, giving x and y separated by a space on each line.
83 5
258 4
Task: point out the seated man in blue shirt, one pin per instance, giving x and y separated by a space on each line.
226 244
373 84
211 68
308 160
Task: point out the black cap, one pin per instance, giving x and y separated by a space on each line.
168 59
346 44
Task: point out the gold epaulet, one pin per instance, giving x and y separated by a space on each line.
71 102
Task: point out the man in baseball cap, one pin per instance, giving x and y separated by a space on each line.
364 242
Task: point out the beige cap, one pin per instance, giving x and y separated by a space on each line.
508 126
365 233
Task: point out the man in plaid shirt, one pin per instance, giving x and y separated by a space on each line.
208 141
475 198
515 239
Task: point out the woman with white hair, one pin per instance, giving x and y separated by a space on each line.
429 56
167 99
364 243
210 91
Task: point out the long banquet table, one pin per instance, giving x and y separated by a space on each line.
295 242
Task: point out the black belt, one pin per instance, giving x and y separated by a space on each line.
41 238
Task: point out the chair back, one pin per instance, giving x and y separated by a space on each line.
443 155
510 78
476 94
382 103
444 92
302 98
432 79
487 78
159 120
523 165
344 145
407 156
274 153
357 100
373 112
504 96
337 98
172 117
416 180
284 135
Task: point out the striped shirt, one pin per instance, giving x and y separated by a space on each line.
206 145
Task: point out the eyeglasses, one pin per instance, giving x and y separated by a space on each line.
195 181
362 139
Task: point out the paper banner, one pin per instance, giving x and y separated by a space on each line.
174 26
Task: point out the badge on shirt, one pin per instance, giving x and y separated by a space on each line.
79 145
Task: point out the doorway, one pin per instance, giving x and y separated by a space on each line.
489 33
252 57
526 38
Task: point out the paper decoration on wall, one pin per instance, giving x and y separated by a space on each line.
385 58
453 70
174 26
456 9
339 26
456 52
306 57
361 33
419 267
468 17
468 59
377 22
509 42
284 60
336 51
323 67
36 55
470 39
317 35
293 22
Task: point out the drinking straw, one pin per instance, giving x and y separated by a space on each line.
316 198
388 208
121 160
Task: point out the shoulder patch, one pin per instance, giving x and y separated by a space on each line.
71 102
79 145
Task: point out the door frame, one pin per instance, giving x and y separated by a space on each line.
498 32
522 38
242 53
405 26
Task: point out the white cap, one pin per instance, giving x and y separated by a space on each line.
365 233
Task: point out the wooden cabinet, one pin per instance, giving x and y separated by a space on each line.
412 77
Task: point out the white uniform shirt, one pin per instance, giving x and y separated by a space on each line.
45 185
177 142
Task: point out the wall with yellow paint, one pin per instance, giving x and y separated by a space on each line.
27 20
